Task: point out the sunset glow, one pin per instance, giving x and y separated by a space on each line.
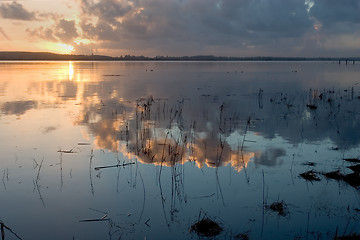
65 48
82 41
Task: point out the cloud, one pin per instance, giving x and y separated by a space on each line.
16 11
269 157
106 10
344 41
61 31
330 12
189 24
219 27
337 24
43 33
18 107
278 18
66 30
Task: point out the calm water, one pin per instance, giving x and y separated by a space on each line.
182 141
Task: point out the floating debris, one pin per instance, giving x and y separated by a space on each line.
206 227
113 75
311 164
112 166
311 106
310 176
83 143
66 151
95 220
279 207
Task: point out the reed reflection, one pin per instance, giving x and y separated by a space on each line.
167 132
158 133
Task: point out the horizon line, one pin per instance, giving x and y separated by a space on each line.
39 55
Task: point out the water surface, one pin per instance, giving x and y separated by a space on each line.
181 141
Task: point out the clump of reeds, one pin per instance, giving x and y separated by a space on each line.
352 160
310 176
353 179
312 106
336 175
353 236
206 227
355 168
242 236
279 207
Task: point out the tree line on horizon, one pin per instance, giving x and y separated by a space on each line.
47 56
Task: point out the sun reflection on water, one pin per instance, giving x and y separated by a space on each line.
71 70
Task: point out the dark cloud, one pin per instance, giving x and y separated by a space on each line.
332 12
337 24
279 18
100 31
193 25
66 30
16 11
106 10
63 31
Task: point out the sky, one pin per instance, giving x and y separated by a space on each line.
289 28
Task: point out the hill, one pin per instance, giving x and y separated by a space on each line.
37 56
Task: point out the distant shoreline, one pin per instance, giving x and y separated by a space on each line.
47 56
